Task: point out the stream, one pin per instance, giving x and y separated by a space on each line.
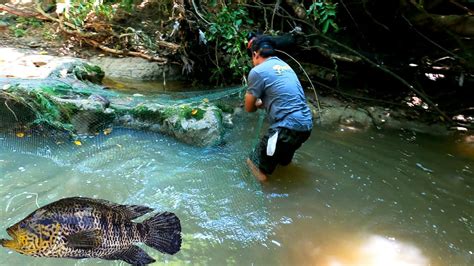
349 197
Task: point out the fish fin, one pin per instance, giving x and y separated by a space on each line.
133 255
85 240
129 211
164 232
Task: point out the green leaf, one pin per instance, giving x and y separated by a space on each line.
238 23
325 26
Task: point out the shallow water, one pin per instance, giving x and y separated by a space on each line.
358 198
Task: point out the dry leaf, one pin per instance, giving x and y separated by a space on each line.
38 64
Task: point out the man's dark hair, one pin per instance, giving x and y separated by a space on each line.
263 44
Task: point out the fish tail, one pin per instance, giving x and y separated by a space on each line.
164 232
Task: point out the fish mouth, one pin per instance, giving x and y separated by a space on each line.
3 242
8 242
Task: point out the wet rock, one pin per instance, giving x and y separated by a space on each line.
335 113
133 68
380 115
79 70
200 125
347 116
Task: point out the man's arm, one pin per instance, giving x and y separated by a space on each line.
252 103
255 89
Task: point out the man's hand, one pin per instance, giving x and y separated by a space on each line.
259 103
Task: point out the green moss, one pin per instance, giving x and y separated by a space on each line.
144 113
89 72
68 110
219 116
226 108
48 112
64 89
189 112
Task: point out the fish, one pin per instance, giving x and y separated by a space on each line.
80 227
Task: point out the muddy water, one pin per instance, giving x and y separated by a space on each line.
349 198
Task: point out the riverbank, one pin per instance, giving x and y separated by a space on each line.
332 112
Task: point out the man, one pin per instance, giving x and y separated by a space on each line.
273 85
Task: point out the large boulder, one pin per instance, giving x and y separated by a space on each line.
68 101
134 68
199 125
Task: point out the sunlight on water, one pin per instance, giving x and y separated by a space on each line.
377 250
348 198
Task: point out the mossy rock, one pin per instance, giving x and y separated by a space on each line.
83 108
86 72
199 125
80 71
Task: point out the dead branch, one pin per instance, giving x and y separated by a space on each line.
169 45
22 12
469 12
158 59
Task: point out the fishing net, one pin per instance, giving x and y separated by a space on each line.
210 188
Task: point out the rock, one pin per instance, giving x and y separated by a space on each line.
347 116
335 113
134 68
379 115
203 132
79 70
65 107
99 98
20 63
200 125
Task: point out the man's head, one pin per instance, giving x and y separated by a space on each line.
261 47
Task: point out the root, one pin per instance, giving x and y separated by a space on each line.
8 107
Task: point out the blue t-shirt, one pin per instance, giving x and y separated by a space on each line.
275 82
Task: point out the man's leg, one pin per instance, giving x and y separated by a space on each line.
259 162
256 172
288 142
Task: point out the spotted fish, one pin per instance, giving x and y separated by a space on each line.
91 228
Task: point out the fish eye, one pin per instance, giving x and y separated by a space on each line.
22 225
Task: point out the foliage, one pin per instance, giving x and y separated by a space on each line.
17 32
324 13
49 34
227 33
22 24
29 22
79 10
